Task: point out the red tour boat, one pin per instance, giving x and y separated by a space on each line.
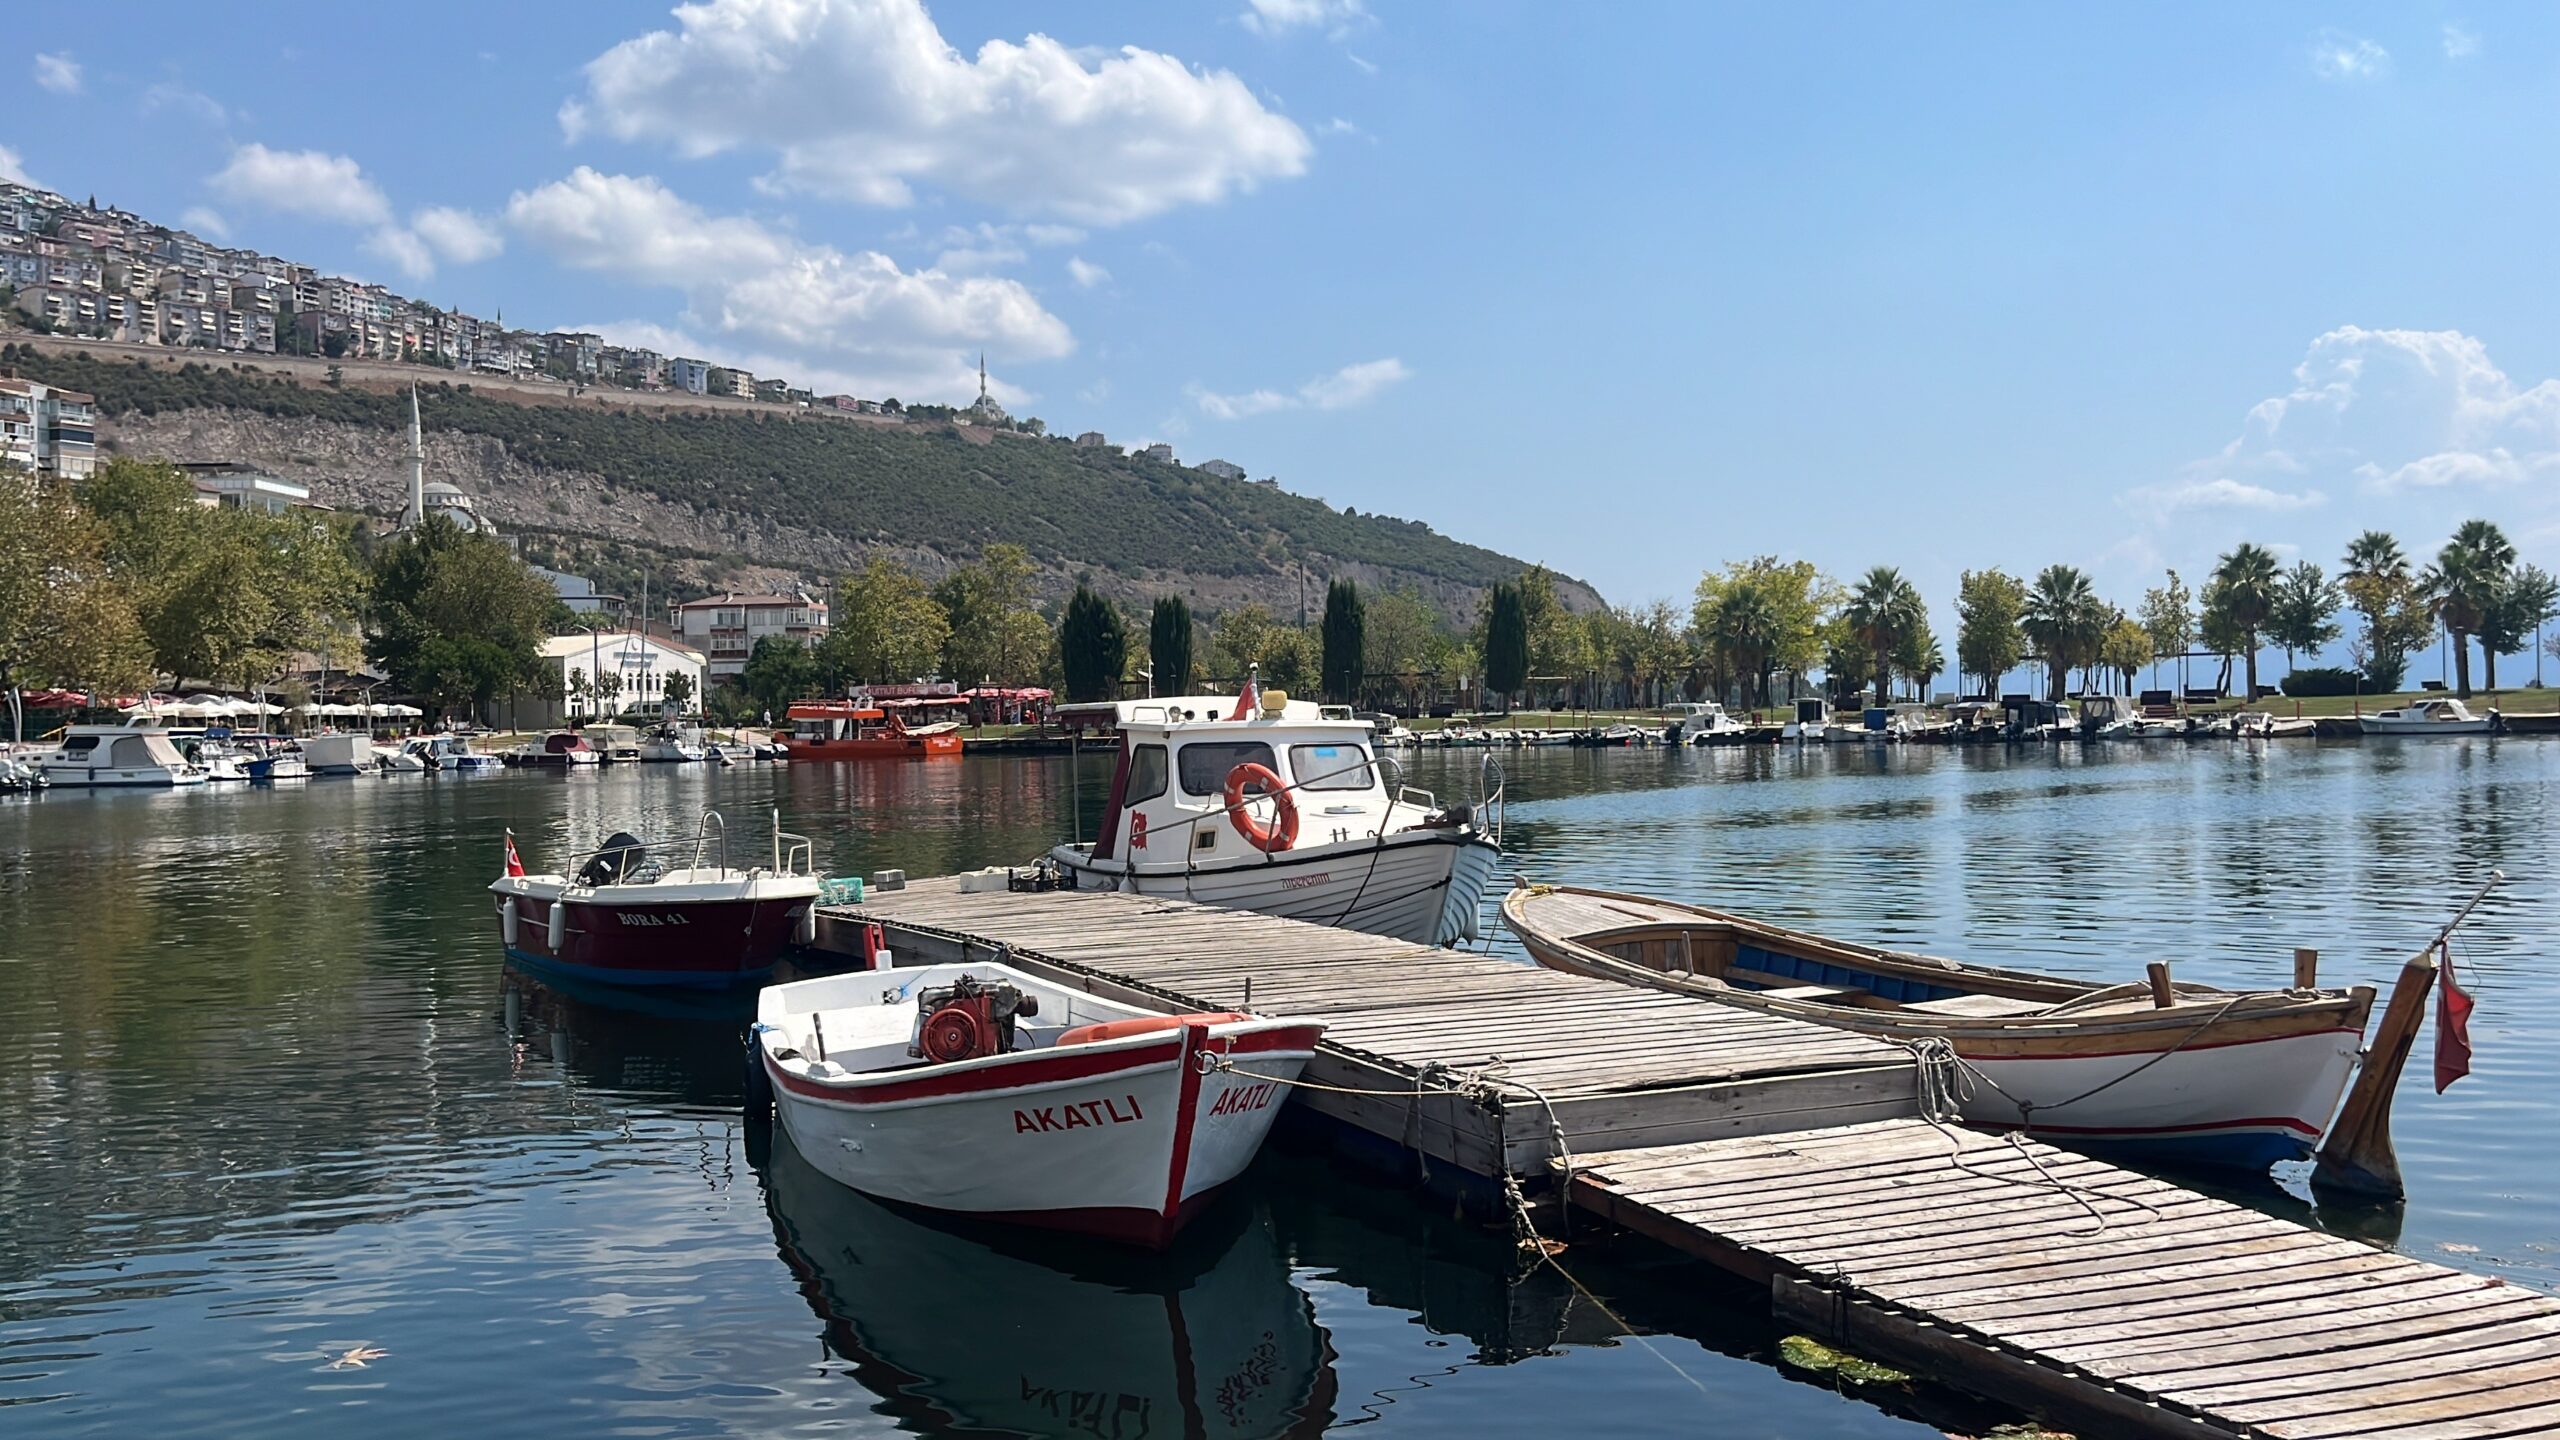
866 730
619 918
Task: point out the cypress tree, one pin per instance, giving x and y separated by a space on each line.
1506 643
1345 624
1169 645
1091 646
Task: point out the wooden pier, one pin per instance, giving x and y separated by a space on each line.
1796 1155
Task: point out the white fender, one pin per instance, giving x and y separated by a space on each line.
559 929
507 920
808 930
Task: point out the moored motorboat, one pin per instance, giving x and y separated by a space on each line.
561 749
1704 722
2213 1077
118 756
2428 717
2259 725
617 916
409 759
273 758
339 752
453 755
984 1090
1258 802
667 745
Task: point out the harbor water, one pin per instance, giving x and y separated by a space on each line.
286 1149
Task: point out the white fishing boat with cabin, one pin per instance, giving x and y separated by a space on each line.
986 1091
1259 802
2428 717
1704 722
118 756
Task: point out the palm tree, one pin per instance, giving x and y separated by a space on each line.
2468 582
2374 555
1744 631
2063 619
1882 611
2248 576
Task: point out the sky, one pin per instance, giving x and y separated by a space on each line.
1631 290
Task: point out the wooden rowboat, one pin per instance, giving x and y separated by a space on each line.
2172 1073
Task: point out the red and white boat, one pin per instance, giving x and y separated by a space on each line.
861 729
618 917
982 1090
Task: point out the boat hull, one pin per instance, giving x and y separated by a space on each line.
1124 1141
1419 885
696 943
77 777
886 747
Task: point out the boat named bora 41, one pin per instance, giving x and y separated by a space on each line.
983 1090
1269 804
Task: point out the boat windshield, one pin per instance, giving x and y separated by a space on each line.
1204 763
1331 767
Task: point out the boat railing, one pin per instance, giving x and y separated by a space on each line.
1491 783
711 826
792 854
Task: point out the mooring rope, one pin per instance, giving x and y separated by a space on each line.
1945 1082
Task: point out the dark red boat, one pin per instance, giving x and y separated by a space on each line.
620 918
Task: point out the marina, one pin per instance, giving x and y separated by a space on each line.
590 1109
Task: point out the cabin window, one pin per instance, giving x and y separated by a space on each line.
1205 763
79 744
1331 767
1146 774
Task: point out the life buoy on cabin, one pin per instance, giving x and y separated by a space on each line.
1271 839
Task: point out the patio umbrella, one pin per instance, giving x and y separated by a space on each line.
306 708
405 712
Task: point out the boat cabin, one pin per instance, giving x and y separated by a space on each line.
2098 710
116 748
1186 760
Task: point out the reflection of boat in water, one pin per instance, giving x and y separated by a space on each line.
664 1043
970 1329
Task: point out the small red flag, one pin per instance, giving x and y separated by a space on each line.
1248 700
515 866
2453 1028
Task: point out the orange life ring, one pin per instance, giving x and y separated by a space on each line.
1275 838
1138 830
1147 1025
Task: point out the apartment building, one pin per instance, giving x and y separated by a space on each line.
54 432
725 628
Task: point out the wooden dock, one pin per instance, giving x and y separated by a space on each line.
1795 1155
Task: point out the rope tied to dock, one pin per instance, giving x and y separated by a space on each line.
1945 1082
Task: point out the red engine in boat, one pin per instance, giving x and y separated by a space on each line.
968 1020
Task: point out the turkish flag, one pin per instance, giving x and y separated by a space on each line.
515 866
2453 1028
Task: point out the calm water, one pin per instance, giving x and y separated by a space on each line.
267 1094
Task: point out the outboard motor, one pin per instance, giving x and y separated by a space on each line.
621 857
968 1019
1456 817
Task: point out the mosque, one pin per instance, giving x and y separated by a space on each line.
438 498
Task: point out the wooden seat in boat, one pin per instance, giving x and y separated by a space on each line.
1980 1006
1821 994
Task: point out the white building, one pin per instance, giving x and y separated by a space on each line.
47 430
726 627
1223 469
639 665
245 487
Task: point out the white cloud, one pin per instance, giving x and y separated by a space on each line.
1351 385
404 250
1052 234
1085 273
302 182
2337 55
58 73
1339 126
2222 493
1278 17
871 102
1365 67
166 96
858 318
206 222
14 169
979 248
2460 43
457 236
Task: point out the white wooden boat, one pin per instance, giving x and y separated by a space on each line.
118 756
2428 717
1258 802
2259 725
2223 1078
983 1090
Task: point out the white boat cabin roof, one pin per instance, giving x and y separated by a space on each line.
1166 715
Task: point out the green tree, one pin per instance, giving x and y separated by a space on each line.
2532 596
455 616
1403 636
884 626
2169 618
64 619
2250 583
984 602
2219 629
1744 628
1790 602
678 691
1169 645
1882 612
2064 621
1345 637
2378 584
2466 586
2125 649
1092 644
1988 641
2305 601
778 671
1918 656
1506 643
1662 655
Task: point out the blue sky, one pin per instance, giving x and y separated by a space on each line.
1627 289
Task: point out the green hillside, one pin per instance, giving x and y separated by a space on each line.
916 484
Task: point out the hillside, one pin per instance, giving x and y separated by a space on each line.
774 491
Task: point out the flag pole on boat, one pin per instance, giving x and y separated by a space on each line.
2357 1159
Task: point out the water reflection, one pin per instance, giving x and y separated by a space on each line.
970 1330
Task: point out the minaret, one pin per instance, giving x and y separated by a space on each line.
416 514
982 379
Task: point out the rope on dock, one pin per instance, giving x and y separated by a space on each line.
1945 1082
